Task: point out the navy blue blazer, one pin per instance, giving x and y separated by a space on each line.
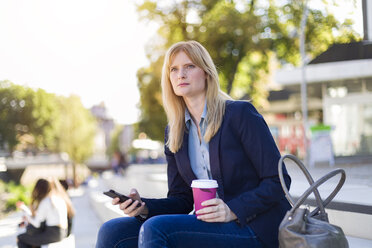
244 161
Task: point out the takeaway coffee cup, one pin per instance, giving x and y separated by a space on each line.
203 190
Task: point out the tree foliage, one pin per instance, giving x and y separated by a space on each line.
243 38
153 119
24 111
76 129
12 110
114 141
54 123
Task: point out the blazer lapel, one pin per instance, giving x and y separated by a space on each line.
183 161
214 158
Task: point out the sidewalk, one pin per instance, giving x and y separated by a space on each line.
86 222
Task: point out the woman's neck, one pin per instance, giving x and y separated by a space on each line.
195 107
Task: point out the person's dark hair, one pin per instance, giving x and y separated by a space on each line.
41 190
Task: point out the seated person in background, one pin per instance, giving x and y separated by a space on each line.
47 221
61 190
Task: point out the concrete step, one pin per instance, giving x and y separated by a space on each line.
358 242
67 242
353 224
103 207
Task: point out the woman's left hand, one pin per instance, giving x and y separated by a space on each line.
215 210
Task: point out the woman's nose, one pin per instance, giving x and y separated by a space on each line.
182 73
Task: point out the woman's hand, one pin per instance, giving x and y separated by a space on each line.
129 208
215 210
19 204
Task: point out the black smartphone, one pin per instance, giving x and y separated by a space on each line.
113 194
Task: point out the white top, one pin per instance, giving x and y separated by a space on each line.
52 209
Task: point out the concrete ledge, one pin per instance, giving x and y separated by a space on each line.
358 242
68 242
353 224
103 207
348 216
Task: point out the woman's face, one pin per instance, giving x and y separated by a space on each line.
187 79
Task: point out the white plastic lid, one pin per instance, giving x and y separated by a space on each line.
204 184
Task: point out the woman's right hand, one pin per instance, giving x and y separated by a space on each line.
132 209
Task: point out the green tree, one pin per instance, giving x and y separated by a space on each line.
44 115
153 119
59 124
26 111
76 130
243 38
114 143
12 108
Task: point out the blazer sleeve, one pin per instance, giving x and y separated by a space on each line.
179 198
264 155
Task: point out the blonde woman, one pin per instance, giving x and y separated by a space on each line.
209 136
47 218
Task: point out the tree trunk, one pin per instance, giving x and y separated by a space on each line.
66 172
74 174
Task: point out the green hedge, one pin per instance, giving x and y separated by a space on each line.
11 193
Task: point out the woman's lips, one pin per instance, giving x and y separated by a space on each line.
183 84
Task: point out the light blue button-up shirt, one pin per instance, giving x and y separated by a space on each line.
198 151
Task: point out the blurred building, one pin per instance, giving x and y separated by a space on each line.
105 123
339 86
125 138
102 139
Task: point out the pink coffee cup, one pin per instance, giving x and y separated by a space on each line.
203 189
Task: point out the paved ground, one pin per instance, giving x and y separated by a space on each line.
150 180
86 222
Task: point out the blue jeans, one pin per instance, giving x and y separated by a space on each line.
174 231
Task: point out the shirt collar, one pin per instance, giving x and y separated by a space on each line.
188 116
204 114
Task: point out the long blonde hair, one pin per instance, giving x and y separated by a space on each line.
175 106
61 192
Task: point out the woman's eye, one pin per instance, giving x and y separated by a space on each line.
190 66
173 69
